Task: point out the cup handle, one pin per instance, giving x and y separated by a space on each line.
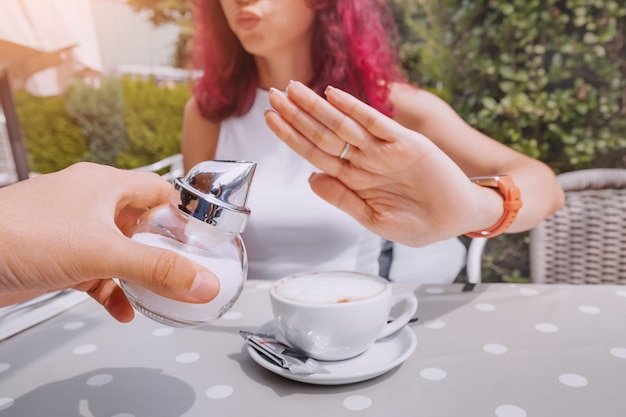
410 307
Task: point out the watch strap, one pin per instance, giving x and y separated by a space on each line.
512 203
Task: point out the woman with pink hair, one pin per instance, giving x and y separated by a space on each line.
253 49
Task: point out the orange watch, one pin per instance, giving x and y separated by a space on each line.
512 203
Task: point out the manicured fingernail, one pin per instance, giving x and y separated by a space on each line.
273 90
270 110
313 174
205 286
328 89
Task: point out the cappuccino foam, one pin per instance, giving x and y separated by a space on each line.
329 289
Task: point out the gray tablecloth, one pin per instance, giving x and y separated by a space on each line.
501 350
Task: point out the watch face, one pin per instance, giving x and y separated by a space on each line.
487 181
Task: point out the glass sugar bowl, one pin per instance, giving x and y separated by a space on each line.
203 221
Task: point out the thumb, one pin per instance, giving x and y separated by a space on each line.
164 272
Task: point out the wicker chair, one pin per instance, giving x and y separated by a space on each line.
585 241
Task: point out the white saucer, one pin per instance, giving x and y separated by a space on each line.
383 356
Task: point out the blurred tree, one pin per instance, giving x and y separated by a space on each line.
163 12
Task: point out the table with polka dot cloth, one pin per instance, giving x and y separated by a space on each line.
500 350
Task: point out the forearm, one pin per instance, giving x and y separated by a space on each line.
12 289
540 191
479 155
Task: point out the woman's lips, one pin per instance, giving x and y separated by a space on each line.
247 20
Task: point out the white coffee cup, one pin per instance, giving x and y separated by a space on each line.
338 315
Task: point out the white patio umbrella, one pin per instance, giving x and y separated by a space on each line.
43 44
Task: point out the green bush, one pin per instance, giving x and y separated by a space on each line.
547 77
100 114
53 141
126 123
153 116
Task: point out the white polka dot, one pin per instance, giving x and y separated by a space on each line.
495 349
232 315
187 357
485 307
218 392
621 293
508 410
434 324
433 374
4 367
74 325
573 380
528 291
124 415
618 352
99 380
264 285
6 403
546 327
435 290
162 331
84 349
357 402
589 309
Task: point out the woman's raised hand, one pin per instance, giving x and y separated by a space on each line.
393 180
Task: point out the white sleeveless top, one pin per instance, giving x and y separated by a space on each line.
290 230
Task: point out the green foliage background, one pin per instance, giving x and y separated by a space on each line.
52 139
125 123
547 77
100 114
153 121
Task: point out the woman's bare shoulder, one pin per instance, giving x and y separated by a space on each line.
192 114
199 136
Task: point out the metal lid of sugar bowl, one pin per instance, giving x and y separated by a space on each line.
215 192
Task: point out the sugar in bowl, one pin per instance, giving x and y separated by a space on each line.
203 220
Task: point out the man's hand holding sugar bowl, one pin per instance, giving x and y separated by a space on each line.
67 230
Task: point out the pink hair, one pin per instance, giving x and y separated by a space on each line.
351 50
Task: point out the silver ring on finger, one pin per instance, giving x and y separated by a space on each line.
345 150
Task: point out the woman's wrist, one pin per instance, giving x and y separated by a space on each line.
501 204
